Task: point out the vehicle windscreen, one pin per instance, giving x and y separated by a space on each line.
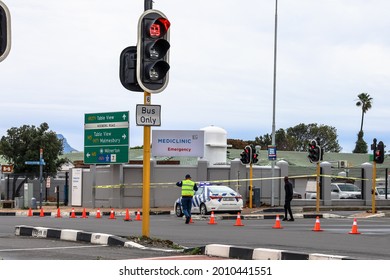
349 188
381 191
221 189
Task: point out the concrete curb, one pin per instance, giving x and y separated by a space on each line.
231 252
83 236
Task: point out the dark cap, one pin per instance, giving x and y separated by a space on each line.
188 176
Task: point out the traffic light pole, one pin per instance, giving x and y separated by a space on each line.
148 4
373 210
250 184
318 187
146 175
146 161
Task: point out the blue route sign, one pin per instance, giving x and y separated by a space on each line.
31 162
272 152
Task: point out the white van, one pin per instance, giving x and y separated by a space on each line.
311 189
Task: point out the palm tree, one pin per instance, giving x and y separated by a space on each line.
364 101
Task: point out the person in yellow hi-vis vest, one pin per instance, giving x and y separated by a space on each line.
188 188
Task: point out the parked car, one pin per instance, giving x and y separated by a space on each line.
297 195
345 191
381 192
339 191
214 198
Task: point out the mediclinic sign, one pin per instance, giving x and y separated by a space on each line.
106 138
178 143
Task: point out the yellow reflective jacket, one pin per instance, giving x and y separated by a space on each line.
187 188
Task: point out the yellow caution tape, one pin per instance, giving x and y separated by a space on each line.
167 184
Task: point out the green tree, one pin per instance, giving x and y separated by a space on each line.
237 144
24 143
361 145
297 138
365 102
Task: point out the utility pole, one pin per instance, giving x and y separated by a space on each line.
274 101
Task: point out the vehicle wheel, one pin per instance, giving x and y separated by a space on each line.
203 209
178 211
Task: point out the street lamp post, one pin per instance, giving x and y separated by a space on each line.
274 101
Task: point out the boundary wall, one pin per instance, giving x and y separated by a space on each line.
120 186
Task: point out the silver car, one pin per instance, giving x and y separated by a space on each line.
345 191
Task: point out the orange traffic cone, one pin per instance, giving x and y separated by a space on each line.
73 214
317 226
138 217
127 216
277 223
41 214
238 220
58 213
98 215
84 215
191 221
354 228
212 219
29 214
112 214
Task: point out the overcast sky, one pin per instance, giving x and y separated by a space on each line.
64 62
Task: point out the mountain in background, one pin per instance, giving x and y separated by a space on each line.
67 147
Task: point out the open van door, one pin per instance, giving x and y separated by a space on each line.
311 189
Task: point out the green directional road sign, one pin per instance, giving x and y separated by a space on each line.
106 138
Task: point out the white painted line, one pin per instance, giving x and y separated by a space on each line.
52 248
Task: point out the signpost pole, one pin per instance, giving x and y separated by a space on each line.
8 187
40 176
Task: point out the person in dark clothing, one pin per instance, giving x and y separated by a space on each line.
289 192
188 188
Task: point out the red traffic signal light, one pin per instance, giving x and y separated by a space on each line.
314 152
153 51
5 31
379 153
246 155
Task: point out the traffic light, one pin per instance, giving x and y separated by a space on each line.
314 152
379 153
128 69
5 31
255 156
153 51
246 155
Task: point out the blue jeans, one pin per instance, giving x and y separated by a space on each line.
186 203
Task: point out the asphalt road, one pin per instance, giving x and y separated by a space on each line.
372 243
